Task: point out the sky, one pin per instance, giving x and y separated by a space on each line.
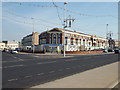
21 19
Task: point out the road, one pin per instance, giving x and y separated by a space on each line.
27 70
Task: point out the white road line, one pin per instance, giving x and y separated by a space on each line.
28 76
67 68
36 56
14 57
51 71
40 73
13 66
47 62
20 59
12 80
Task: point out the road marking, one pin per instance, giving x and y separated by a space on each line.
67 68
69 60
20 59
60 70
91 65
36 56
14 57
47 62
13 66
12 80
28 76
40 73
51 71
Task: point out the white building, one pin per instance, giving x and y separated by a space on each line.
11 45
2 46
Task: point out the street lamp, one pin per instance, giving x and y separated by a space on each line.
33 36
107 36
64 26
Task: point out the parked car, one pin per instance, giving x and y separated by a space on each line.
110 50
105 50
14 51
117 51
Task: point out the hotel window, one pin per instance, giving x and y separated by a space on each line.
89 43
58 40
65 41
54 35
80 41
50 35
83 42
76 41
54 41
50 41
71 41
58 34
43 41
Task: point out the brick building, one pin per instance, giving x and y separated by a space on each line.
30 40
53 40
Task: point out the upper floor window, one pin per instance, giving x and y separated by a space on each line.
58 34
58 40
50 41
80 41
54 35
54 41
76 41
65 41
71 41
50 35
83 42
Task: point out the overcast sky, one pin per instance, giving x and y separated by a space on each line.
90 18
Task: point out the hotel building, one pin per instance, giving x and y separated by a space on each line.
53 40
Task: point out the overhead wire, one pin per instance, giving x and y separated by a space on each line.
24 22
67 10
57 12
38 19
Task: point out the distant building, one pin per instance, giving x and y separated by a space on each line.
117 44
11 44
2 46
30 40
53 40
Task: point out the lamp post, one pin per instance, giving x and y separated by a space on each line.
107 36
64 26
33 36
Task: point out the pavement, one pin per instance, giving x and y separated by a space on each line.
102 77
